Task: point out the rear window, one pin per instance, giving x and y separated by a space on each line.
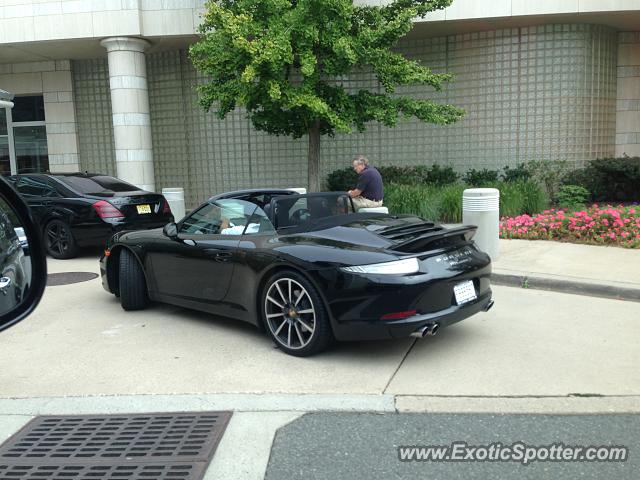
302 210
97 185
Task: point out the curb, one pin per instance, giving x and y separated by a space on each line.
21 409
567 286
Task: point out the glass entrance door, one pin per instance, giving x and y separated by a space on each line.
31 149
23 137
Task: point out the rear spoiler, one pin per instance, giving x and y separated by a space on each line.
438 239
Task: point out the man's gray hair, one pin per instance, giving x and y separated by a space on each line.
361 160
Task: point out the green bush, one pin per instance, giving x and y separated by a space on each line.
420 200
516 174
520 197
548 174
480 178
609 179
403 175
346 178
535 199
342 180
512 198
444 204
450 208
437 175
572 197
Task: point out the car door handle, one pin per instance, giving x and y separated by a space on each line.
223 256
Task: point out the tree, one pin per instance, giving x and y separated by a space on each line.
283 61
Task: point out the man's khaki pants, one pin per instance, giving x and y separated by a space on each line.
361 202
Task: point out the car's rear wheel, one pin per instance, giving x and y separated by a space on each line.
295 315
133 286
59 241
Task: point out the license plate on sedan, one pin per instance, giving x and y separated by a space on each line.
144 208
465 292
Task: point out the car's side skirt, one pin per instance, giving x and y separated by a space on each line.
223 309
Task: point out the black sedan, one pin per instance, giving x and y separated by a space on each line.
305 268
83 209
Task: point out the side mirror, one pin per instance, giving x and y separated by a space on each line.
23 264
171 230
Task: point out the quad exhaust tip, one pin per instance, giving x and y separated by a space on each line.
430 330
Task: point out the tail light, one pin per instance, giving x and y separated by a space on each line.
106 210
166 209
399 315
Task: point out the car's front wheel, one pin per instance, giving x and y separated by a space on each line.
295 315
59 241
133 286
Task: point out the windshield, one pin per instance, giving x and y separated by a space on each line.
298 210
97 184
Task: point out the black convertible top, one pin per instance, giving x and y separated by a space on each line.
253 192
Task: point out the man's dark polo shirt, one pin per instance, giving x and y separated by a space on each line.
370 184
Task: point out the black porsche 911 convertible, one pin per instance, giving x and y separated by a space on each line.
305 268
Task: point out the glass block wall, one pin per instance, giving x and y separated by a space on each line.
628 96
536 93
545 92
194 148
92 99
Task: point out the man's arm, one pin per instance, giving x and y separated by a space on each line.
354 193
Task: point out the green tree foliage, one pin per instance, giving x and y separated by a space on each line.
284 61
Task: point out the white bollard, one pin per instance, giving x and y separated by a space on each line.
481 207
175 197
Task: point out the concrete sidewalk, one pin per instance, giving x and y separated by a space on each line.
610 272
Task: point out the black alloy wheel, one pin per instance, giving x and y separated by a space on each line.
59 241
295 315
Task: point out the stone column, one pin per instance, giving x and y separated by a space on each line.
130 109
628 105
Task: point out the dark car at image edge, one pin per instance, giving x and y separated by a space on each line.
14 275
85 209
304 268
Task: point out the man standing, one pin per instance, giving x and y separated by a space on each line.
369 192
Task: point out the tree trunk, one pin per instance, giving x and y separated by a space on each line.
314 157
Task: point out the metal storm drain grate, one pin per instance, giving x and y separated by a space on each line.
67 278
142 446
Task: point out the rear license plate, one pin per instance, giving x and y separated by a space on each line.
465 292
143 208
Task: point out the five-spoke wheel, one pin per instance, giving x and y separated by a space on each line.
59 241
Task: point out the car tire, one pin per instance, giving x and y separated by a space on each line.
59 241
133 286
294 315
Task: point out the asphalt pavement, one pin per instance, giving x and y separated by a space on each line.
367 446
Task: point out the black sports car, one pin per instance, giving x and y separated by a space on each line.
305 268
83 209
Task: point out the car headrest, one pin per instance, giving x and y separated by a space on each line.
267 210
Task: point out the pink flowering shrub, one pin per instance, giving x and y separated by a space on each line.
596 225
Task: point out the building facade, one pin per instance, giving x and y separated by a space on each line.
107 86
